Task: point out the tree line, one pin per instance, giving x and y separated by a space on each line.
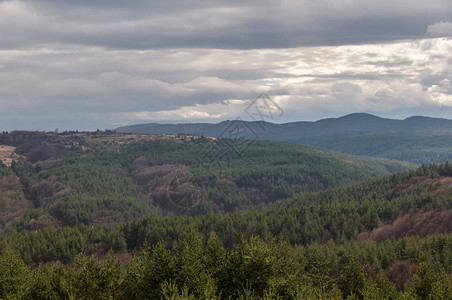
200 267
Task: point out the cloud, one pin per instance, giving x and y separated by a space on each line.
92 64
346 89
384 93
227 109
440 29
106 87
212 24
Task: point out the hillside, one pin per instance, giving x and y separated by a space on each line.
72 179
380 232
420 140
122 216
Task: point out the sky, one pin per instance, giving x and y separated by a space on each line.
102 64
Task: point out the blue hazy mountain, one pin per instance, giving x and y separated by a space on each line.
416 139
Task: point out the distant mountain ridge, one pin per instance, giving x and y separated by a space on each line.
356 122
417 139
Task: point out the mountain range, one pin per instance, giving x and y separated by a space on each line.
352 123
416 139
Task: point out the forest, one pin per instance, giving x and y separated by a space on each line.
416 147
274 221
95 182
420 140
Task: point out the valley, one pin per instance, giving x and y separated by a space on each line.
101 202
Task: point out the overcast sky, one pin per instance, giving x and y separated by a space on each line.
101 64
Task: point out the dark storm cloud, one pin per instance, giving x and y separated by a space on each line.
217 24
96 64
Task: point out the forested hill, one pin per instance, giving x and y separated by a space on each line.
181 225
420 140
387 238
106 178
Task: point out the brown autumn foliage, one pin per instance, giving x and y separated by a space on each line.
422 224
418 184
167 186
13 204
171 189
401 273
45 191
42 222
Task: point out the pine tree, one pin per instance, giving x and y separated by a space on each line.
215 254
14 275
192 272
423 281
353 280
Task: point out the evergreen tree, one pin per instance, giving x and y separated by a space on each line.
353 280
14 276
191 270
423 281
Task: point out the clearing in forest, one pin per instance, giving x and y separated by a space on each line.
7 155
